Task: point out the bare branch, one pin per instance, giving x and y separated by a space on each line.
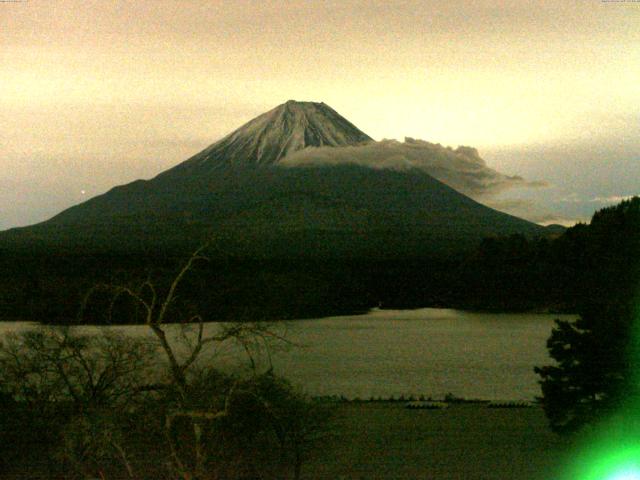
197 348
174 285
175 367
177 462
123 457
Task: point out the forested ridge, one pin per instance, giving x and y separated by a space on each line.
513 273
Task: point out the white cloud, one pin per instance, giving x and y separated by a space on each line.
533 212
462 168
611 199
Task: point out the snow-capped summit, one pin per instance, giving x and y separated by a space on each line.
269 137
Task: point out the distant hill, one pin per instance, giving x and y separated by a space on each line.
237 191
555 230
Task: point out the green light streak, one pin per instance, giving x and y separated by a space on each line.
611 451
607 459
627 475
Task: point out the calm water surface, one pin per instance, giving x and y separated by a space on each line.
407 352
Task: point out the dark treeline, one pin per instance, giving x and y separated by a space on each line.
512 273
588 263
51 288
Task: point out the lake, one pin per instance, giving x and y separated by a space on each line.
386 353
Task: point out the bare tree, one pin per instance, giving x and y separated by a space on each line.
62 376
49 365
157 310
203 422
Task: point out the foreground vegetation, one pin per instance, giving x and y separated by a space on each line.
113 407
386 441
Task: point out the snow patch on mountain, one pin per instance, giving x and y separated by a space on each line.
268 138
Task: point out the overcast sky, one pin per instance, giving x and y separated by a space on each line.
99 93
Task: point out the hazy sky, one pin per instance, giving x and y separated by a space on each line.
99 93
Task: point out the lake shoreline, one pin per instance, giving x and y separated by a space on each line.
394 353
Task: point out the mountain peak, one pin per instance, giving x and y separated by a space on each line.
299 103
303 109
268 138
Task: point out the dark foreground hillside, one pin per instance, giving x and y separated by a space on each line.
384 441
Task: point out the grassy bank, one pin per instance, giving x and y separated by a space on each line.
386 441
465 441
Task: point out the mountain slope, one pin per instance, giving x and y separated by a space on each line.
334 211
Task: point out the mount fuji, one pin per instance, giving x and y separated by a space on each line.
242 192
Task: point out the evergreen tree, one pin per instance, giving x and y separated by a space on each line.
597 356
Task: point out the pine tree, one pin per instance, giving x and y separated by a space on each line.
598 355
